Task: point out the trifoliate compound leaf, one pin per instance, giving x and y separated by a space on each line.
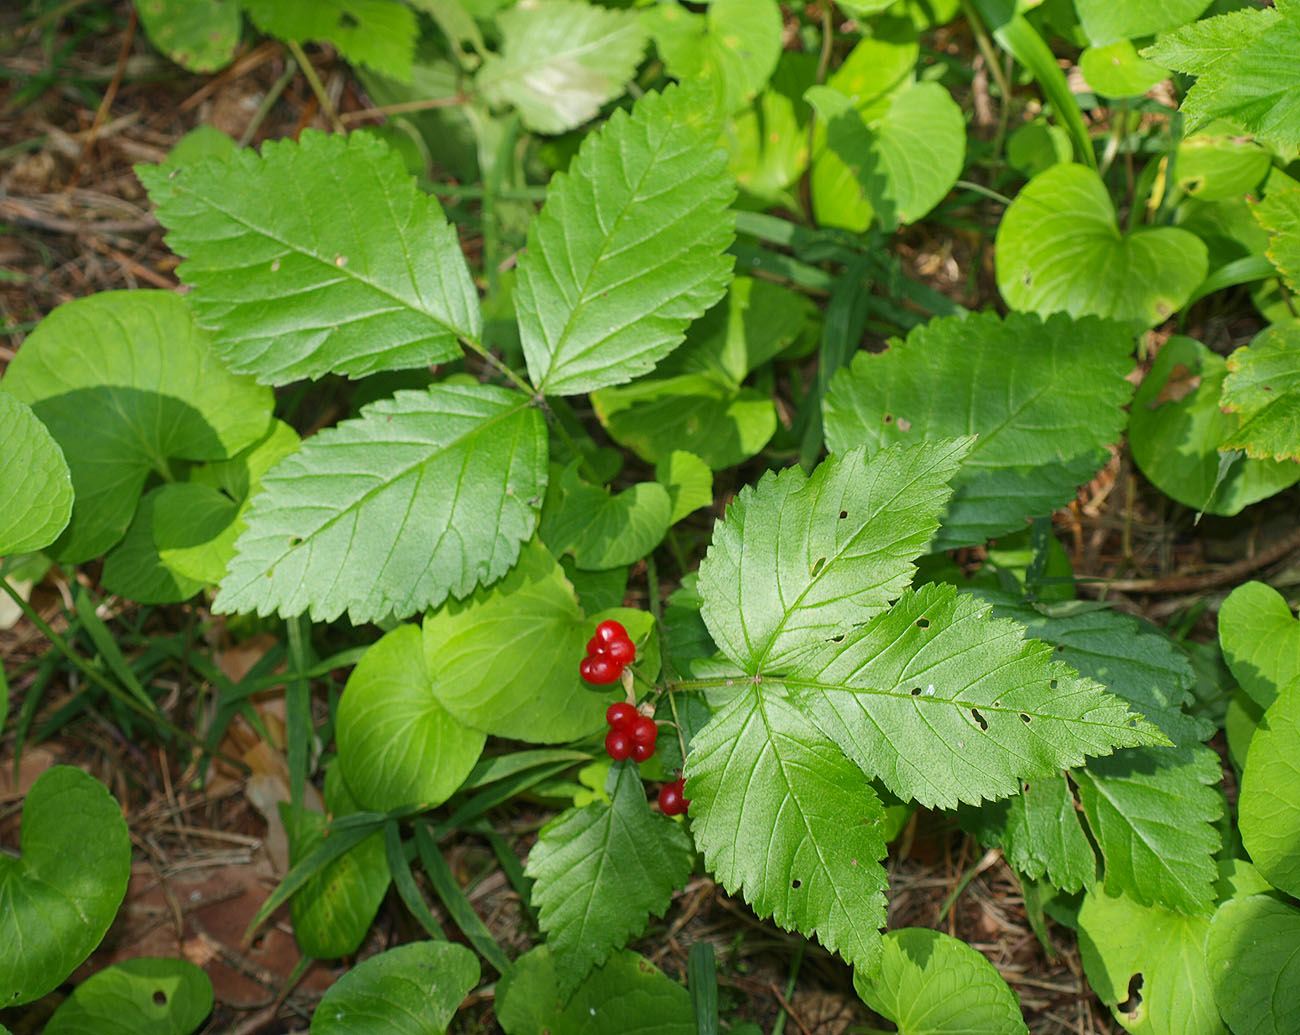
1253 952
35 484
379 34
1176 428
1152 813
688 480
627 995
1058 248
600 872
1104 22
1279 214
142 996
397 744
1263 390
125 382
1045 399
560 61
733 48
1260 638
929 983
134 569
628 249
1269 805
1245 69
200 35
800 558
62 893
944 704
319 256
413 989
1116 70
370 516
1148 965
1218 163
783 817
603 529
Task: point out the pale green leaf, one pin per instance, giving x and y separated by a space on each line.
560 61
1279 214
200 35
1261 640
1044 397
126 383
1269 804
1218 164
1058 248
1253 952
603 529
141 996
930 983
1115 70
1127 947
397 744
1105 21
1263 389
783 817
628 249
319 256
689 482
370 516
798 559
601 871
377 33
768 140
35 484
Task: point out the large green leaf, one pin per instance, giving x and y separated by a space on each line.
784 817
799 558
930 983
1253 952
371 516
1263 389
35 484
126 383
1105 22
378 33
560 61
200 35
600 871
1279 214
1176 428
1261 640
321 255
397 744
1044 398
1245 69
1148 965
413 989
1269 804
1058 248
61 895
628 249
142 996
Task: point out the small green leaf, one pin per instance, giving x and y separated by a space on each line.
134 569
141 996
1217 164
689 483
366 276
1115 70
377 33
397 744
1058 248
1253 952
413 989
1269 804
768 140
64 891
560 61
1279 214
1106 22
35 484
1263 389
369 516
604 530
1261 640
929 983
200 35
628 249
600 871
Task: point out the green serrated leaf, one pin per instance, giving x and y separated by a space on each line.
126 383
1253 953
600 871
930 983
413 989
369 516
397 744
200 35
141 996
1263 390
1104 22
35 483
1279 214
628 249
560 61
1044 397
319 256
1269 804
784 817
1261 640
1058 248
377 33
603 529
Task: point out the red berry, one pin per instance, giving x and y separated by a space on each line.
618 745
672 802
584 669
600 670
623 651
620 715
644 731
606 633
641 752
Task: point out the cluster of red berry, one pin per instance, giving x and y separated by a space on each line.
631 734
608 652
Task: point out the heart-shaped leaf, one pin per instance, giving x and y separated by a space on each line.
1058 248
64 891
1253 950
35 485
1270 793
142 996
1260 640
